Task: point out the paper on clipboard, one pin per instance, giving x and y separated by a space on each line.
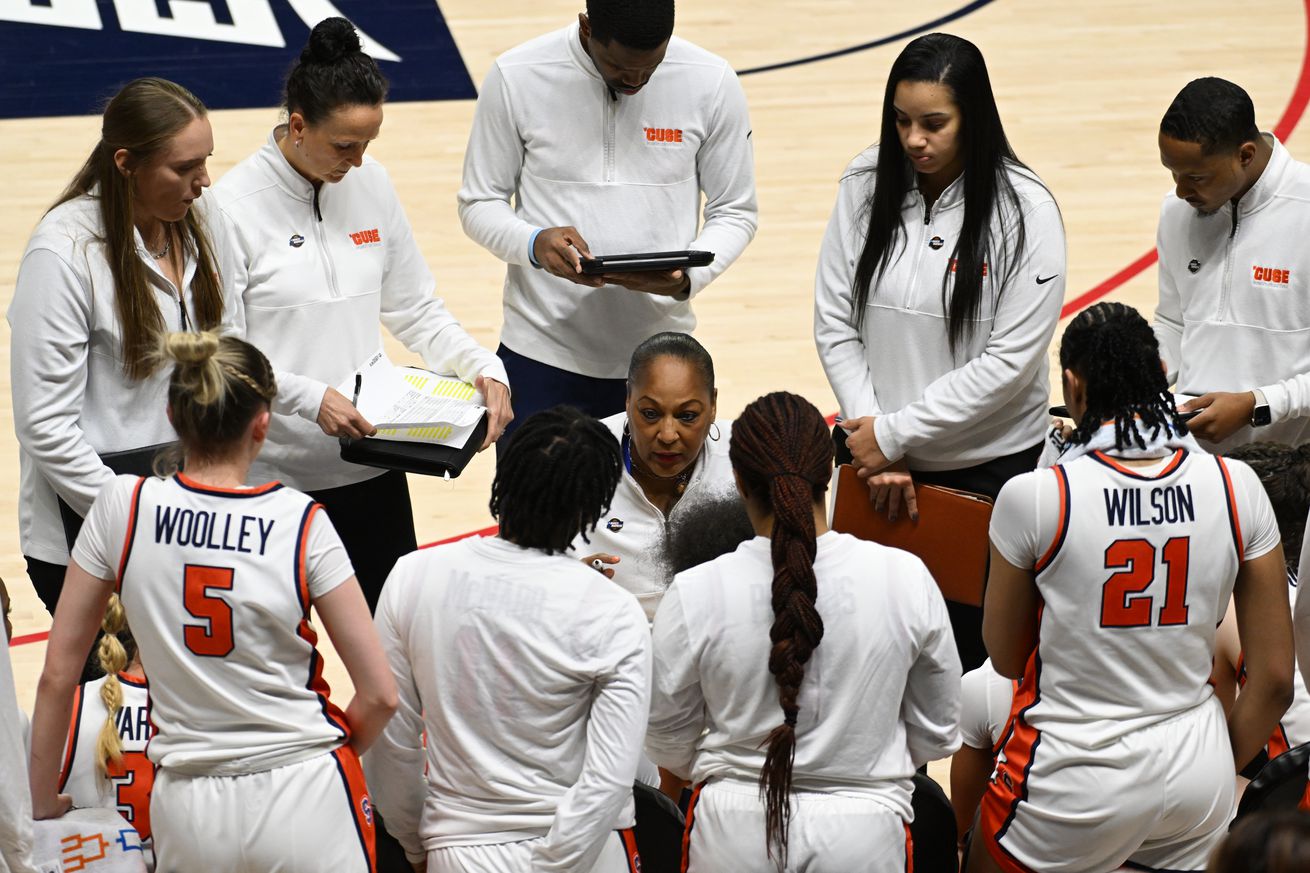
408 404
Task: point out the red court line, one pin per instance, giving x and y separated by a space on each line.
1291 116
1283 130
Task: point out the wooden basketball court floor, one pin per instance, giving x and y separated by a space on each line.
1081 86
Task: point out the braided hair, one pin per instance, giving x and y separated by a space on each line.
115 651
782 452
1284 471
1113 349
555 480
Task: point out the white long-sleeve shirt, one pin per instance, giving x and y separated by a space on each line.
530 676
638 532
1234 308
941 412
627 171
316 272
71 398
881 693
15 797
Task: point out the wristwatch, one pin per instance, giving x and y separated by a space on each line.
1260 416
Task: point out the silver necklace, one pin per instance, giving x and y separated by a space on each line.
163 253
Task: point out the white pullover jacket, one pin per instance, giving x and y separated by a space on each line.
316 272
529 676
72 400
942 412
881 692
627 171
1234 310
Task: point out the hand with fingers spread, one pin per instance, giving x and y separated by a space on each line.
598 561
892 486
1222 414
338 417
499 412
664 283
560 250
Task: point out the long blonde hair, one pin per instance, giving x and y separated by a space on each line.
113 659
142 118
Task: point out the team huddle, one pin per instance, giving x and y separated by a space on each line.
665 608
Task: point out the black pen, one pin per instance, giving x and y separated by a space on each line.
359 382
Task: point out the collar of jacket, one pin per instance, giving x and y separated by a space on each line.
286 175
1267 186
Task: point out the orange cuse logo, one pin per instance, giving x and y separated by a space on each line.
364 237
662 134
1271 275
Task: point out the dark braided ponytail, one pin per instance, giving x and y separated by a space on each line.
555 479
782 451
1114 350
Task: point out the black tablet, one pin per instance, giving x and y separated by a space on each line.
645 262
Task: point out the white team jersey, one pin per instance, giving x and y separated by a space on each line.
217 585
126 788
1135 567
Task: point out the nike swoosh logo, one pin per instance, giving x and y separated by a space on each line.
1041 281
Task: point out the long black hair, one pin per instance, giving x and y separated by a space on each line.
1116 353
957 64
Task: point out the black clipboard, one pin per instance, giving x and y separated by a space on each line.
645 262
427 459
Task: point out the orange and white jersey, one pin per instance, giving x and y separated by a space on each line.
1135 567
217 585
127 784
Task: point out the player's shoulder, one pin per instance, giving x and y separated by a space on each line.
682 52
549 47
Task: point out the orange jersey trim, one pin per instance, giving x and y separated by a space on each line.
306 632
1009 785
909 850
1170 467
1062 528
130 534
1234 522
192 485
361 805
691 821
630 853
74 725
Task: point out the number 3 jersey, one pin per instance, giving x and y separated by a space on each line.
217 586
1134 567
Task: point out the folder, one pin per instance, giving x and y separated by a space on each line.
950 536
428 459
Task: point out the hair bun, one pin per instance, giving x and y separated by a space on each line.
331 40
191 348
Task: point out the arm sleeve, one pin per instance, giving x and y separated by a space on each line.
841 348
394 765
419 319
16 841
930 708
1016 528
975 730
492 163
100 543
1025 320
1168 321
677 703
296 395
326 563
1259 525
50 330
725 165
619 710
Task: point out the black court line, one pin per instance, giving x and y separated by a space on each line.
967 9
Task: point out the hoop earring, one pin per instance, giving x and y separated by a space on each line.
626 431
715 433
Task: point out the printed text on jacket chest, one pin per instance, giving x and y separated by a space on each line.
366 238
1270 275
663 135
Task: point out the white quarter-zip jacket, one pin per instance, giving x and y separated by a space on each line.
1234 310
942 412
316 271
529 676
627 171
71 398
637 532
881 693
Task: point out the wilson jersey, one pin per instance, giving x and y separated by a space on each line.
217 586
1134 567
127 784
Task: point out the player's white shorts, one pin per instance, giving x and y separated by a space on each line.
828 834
302 818
619 855
1160 798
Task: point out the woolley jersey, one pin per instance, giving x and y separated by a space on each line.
217 585
1134 567
126 785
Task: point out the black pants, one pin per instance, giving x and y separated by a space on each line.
48 580
985 479
376 524
539 386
